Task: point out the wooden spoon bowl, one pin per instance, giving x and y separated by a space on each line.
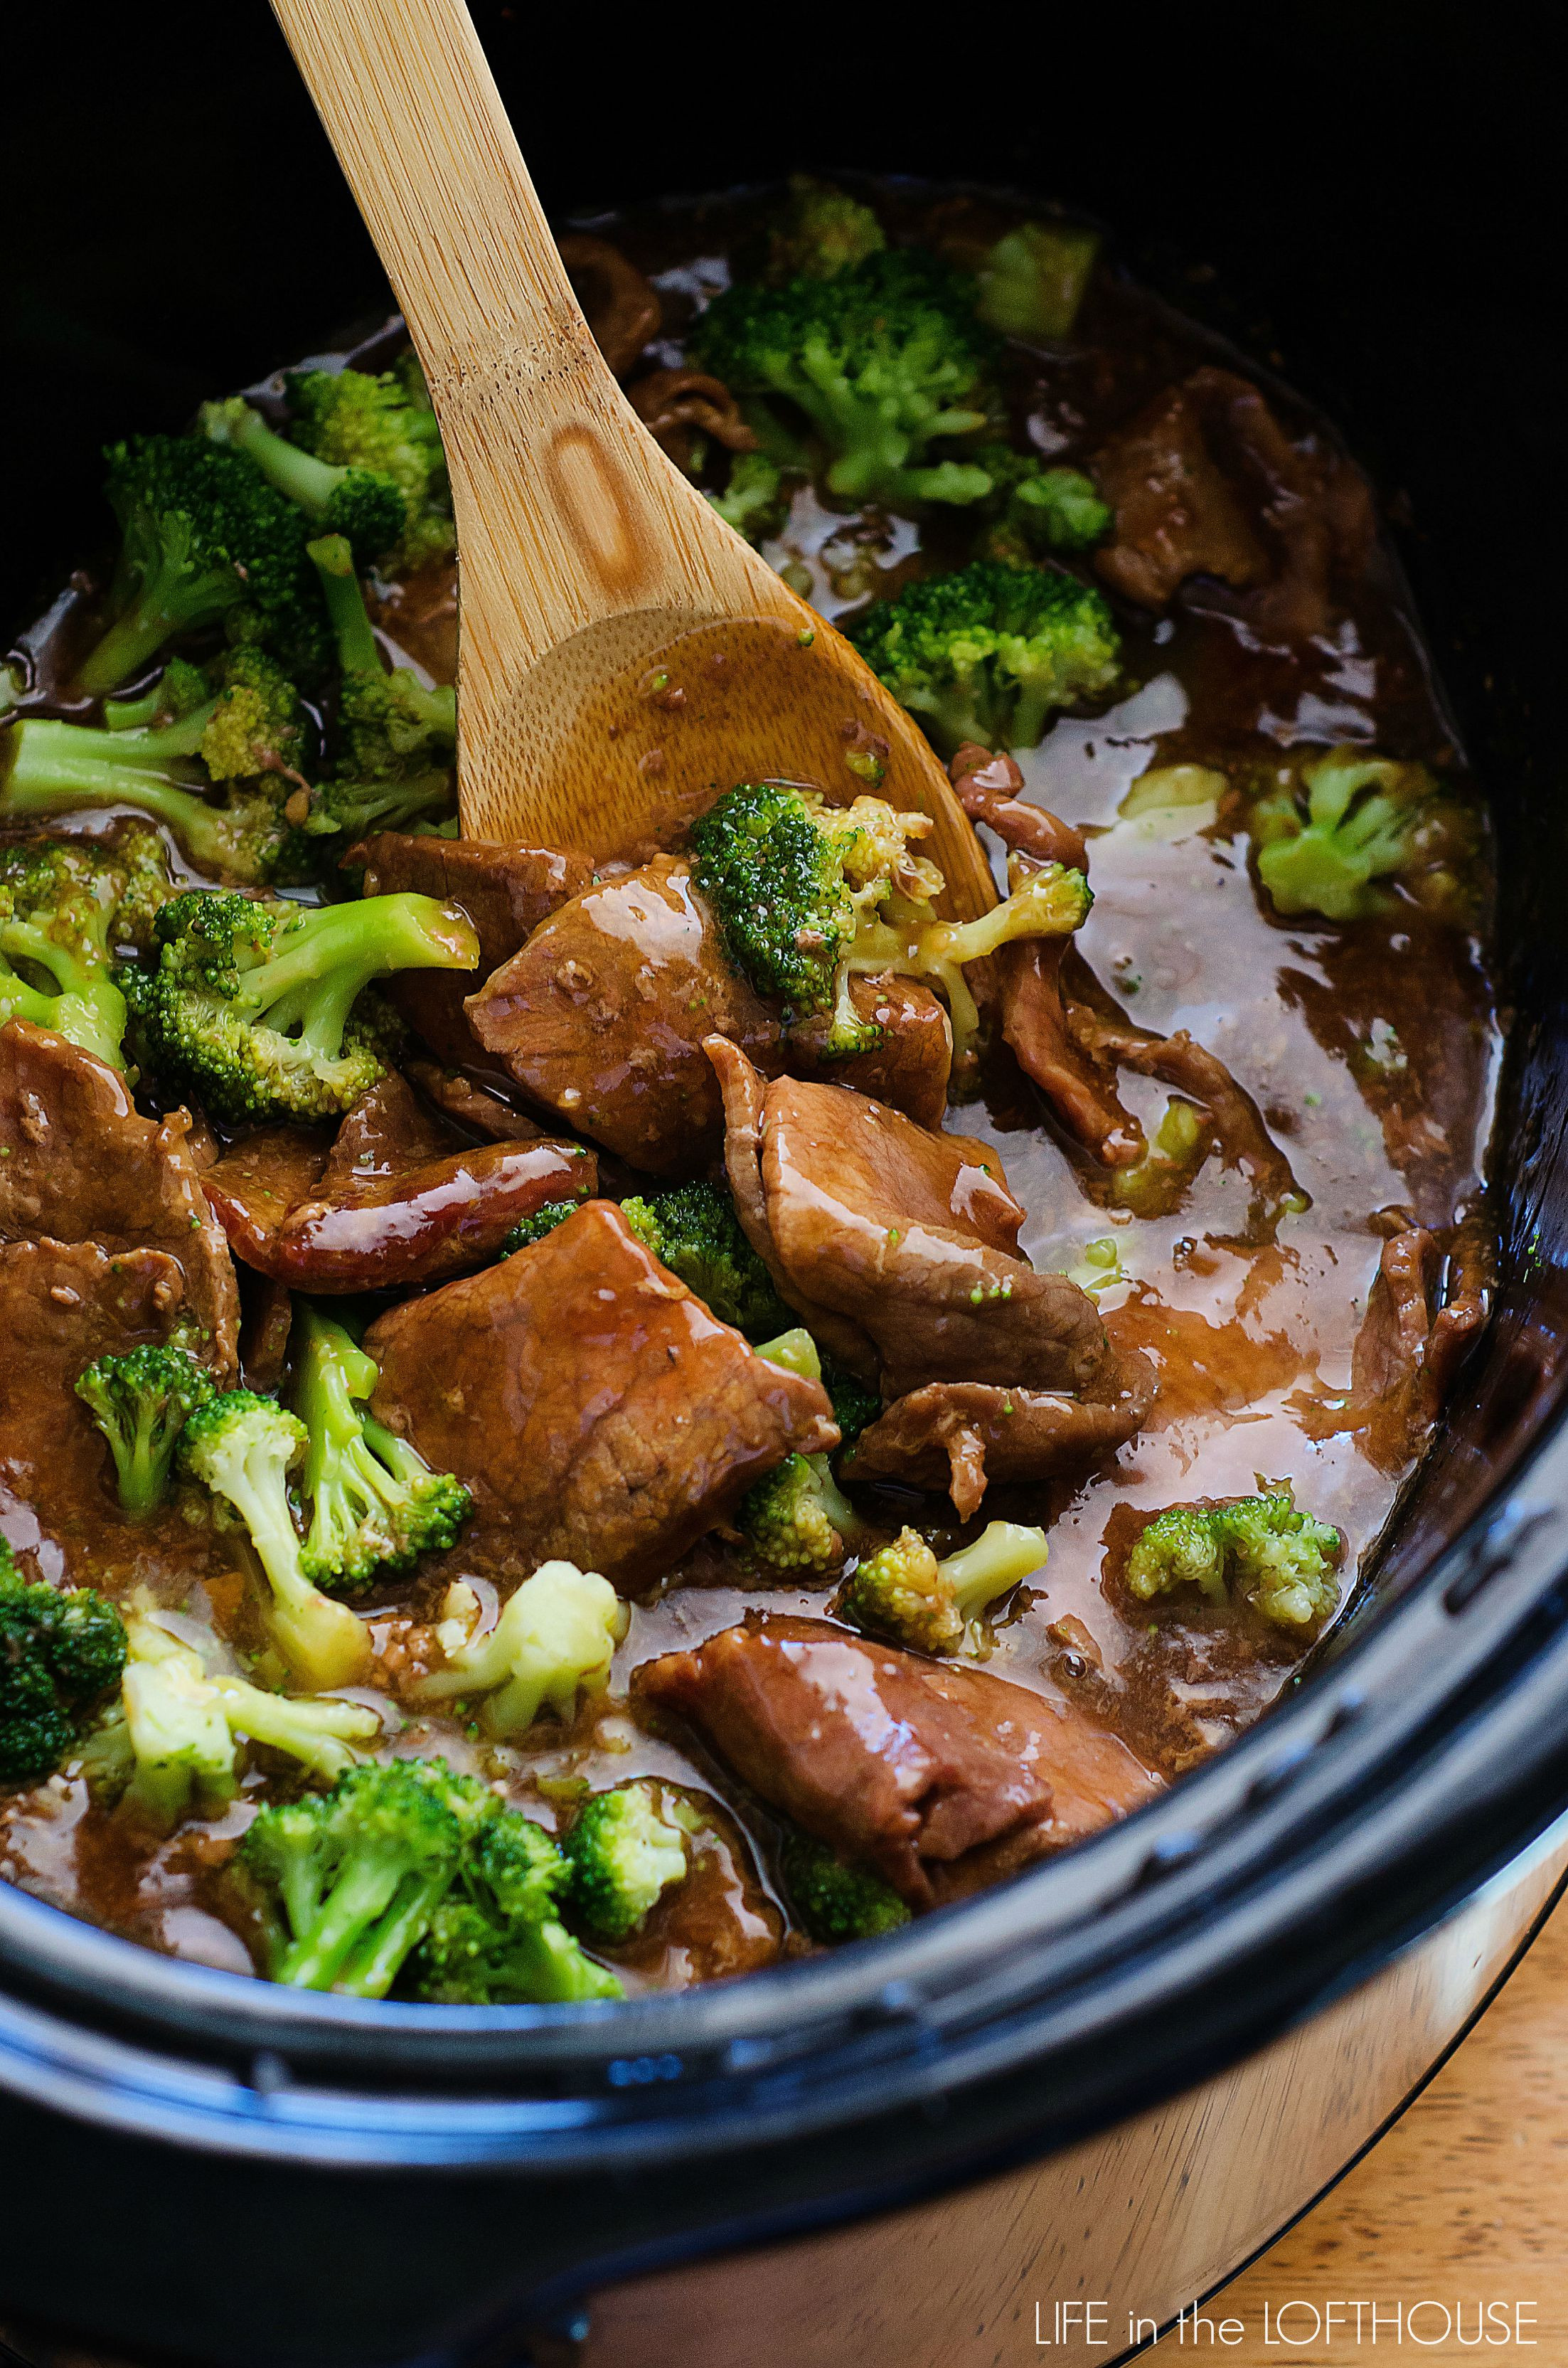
624 656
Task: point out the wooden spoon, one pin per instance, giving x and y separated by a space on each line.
623 654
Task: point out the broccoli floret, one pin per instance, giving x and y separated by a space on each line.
248 731
251 1005
61 1657
384 423
184 1727
1038 510
203 532
242 1447
808 894
375 1503
554 1642
834 1902
1368 821
902 1591
756 501
1275 1557
797 1518
528 1230
351 1878
693 1230
622 1855
140 1402
825 231
397 739
365 505
855 1405
989 652
1033 281
884 359
58 902
495 1939
178 691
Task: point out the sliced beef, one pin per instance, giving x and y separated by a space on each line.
913 1236
477 1108
961 1436
395 1201
63 1304
505 887
601 1016
908 1070
1205 481
1028 974
79 1164
594 1407
621 305
1412 1342
941 1779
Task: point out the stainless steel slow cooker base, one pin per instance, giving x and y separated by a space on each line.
1144 2219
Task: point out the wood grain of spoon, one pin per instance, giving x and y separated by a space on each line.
623 655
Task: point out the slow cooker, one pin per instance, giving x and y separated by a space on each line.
1108 2082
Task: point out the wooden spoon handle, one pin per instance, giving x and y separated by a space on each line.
549 466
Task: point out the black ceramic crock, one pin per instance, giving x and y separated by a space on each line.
213 2169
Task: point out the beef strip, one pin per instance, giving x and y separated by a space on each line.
942 1779
506 887
395 1202
594 1407
79 1164
63 1304
601 1016
962 1435
1028 973
1205 481
1406 1355
477 1108
621 305
908 1070
681 407
913 1236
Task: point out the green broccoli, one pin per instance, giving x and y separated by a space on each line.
823 233
203 532
1157 1184
140 859
854 1405
495 1939
807 895
349 1879
242 1447
989 652
904 1592
247 734
1277 1558
365 505
1370 824
375 1504
142 1401
1034 279
552 1644
756 501
797 1518
383 422
251 1005
58 903
397 740
184 1727
528 1230
623 1856
61 1658
885 359
1038 510
834 1902
693 1230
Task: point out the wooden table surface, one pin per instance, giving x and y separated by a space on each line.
1463 2203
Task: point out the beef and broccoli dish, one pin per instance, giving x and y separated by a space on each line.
579 1419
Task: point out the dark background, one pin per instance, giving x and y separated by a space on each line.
1370 194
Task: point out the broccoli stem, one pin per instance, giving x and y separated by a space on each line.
294 471
314 982
364 1891
163 607
60 768
357 651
